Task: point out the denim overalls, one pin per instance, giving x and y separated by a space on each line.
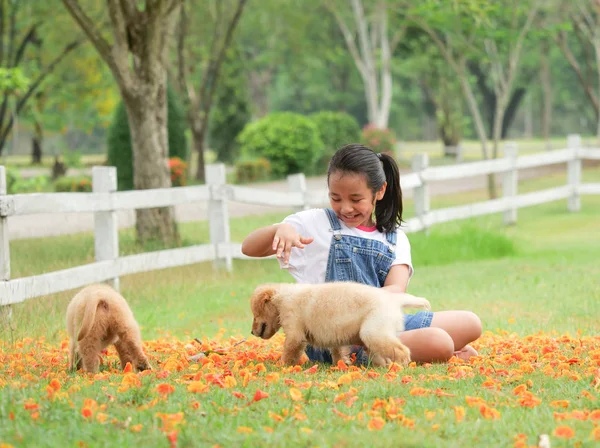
365 261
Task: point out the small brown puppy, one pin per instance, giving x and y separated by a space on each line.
333 316
97 317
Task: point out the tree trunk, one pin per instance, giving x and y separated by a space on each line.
198 140
511 110
36 144
479 127
546 81
150 164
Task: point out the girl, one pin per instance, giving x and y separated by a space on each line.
358 239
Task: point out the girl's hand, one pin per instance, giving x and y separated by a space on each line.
285 238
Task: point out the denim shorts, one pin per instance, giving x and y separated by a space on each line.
422 319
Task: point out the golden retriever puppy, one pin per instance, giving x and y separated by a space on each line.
334 316
97 317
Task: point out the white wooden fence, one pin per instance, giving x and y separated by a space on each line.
104 201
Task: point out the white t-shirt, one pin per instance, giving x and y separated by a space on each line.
309 265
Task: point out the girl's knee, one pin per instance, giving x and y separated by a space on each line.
473 325
441 345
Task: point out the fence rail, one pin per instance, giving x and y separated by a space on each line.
104 201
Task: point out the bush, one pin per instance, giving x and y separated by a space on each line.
289 141
379 140
82 184
119 140
178 169
336 129
252 170
13 176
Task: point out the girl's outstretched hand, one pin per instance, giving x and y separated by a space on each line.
287 237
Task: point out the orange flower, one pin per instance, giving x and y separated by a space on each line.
417 391
312 370
244 430
520 389
172 438
595 434
86 412
489 413
197 387
459 413
564 432
375 424
259 395
296 394
560 404
165 388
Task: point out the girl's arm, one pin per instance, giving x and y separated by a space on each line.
276 239
260 242
397 278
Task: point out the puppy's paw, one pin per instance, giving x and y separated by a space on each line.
401 355
341 354
289 360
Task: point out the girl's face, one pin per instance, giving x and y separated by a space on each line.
351 199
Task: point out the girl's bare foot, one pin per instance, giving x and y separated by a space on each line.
466 353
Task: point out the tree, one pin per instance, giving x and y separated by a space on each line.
468 29
232 109
198 81
374 41
137 58
27 22
585 17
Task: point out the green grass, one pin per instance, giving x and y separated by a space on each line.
536 278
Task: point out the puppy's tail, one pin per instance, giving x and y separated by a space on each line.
89 315
408 300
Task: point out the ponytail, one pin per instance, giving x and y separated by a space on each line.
377 169
388 210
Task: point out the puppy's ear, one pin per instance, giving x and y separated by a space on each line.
262 296
266 294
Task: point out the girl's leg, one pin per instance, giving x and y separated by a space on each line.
462 326
449 334
428 344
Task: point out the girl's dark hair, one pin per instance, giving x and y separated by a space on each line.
377 169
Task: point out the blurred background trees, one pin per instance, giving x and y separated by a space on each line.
273 86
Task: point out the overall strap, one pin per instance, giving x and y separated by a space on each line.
336 228
391 238
333 220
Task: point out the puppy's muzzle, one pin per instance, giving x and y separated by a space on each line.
263 328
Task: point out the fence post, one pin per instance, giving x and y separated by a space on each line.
419 163
106 232
218 215
574 172
4 238
297 184
509 182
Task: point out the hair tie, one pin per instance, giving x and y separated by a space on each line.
378 154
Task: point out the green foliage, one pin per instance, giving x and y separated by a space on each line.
12 178
18 185
379 140
335 129
72 159
252 170
82 184
13 80
119 140
289 141
231 111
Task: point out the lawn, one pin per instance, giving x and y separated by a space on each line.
534 285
